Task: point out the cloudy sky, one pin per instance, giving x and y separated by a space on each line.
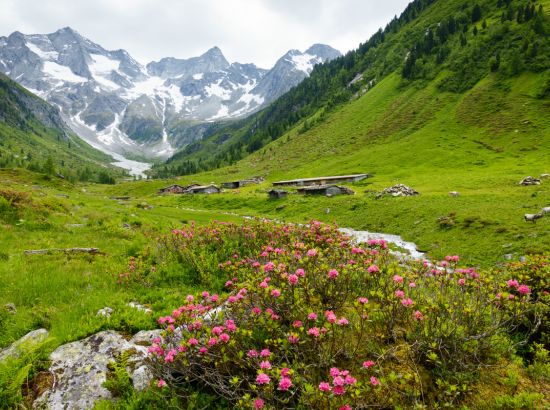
247 31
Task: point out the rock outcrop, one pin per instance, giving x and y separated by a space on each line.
81 368
530 181
398 190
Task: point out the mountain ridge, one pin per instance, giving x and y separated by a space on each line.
122 106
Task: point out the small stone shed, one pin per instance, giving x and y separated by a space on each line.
277 194
240 183
173 189
326 190
202 189
323 180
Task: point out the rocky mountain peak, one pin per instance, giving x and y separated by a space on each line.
115 103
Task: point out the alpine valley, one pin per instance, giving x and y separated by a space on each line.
122 107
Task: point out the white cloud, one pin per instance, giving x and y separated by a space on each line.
257 31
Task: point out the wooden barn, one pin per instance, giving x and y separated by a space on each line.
323 180
277 194
173 189
242 182
202 189
326 190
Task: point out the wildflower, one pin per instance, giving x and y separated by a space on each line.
258 404
331 317
350 380
407 302
265 365
189 298
256 310
324 386
228 284
312 252
312 316
252 353
214 298
263 379
374 381
300 272
217 330
345 407
230 324
224 337
275 293
338 381
161 383
297 323
193 341
461 282
373 269
293 279
339 390
263 284
285 371
293 339
269 266
284 384
343 321
313 332
334 372
265 353
368 364
332 274
397 279
511 296
524 290
231 299
203 350
205 294
418 315
363 301
399 294
412 285
212 341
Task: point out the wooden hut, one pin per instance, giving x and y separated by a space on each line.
202 189
323 180
277 194
326 190
172 189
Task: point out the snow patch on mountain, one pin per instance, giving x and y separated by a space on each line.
61 73
305 62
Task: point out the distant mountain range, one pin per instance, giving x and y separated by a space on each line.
120 106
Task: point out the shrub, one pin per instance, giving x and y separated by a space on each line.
314 321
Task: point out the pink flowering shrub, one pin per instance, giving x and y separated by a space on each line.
311 319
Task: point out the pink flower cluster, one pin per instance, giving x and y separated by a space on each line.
340 379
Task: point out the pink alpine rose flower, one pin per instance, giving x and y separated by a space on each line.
374 381
397 279
324 386
373 269
368 364
262 379
332 274
265 365
284 384
524 290
293 279
312 316
258 404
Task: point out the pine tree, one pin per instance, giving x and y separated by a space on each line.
476 13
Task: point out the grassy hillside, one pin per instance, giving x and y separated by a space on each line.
33 136
445 46
455 120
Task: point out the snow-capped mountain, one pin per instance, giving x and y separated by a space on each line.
121 106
